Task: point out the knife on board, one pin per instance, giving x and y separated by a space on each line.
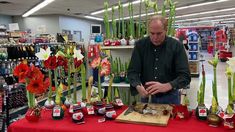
130 108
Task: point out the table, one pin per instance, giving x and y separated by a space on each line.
47 124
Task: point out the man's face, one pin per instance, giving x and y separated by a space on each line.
157 32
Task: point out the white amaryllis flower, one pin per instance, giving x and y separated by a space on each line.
77 54
43 54
231 63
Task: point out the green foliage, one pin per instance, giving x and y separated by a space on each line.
106 20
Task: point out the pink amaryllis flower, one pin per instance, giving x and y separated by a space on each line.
105 67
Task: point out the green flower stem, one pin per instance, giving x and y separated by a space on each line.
215 85
234 86
99 83
55 78
146 12
123 24
75 87
110 87
119 19
203 84
31 99
69 79
83 75
50 87
229 90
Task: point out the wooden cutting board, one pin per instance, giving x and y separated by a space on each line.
158 119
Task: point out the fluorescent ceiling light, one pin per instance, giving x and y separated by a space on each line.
215 20
94 18
202 18
201 4
206 12
37 7
116 7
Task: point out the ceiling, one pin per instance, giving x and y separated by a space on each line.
80 8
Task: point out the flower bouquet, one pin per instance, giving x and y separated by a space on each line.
36 83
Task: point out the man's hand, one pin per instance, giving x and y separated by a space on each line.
143 93
157 87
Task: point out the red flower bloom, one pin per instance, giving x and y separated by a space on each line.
61 61
32 72
50 63
77 62
20 71
96 62
36 86
105 67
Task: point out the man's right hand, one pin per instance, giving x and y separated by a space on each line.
143 93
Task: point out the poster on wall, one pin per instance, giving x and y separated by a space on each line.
13 26
41 29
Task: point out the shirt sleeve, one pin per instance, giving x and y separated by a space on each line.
134 70
183 77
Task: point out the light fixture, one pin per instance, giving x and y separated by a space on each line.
94 18
200 4
116 7
203 18
206 12
37 7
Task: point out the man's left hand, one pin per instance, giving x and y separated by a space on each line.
157 87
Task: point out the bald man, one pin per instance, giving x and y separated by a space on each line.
159 65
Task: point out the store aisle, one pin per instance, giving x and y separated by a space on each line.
221 84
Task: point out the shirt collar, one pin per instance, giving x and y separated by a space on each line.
161 45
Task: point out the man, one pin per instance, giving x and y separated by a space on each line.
159 65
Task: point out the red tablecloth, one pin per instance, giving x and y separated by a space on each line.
47 124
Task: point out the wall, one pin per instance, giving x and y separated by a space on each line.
5 20
37 24
75 24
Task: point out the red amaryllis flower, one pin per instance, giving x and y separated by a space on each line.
20 71
32 72
105 67
50 63
61 61
96 62
36 86
77 62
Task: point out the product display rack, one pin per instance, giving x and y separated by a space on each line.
193 54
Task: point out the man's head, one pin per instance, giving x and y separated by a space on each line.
157 29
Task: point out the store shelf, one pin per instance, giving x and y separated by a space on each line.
193 51
117 47
193 60
121 85
193 42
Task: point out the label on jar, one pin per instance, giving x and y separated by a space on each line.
90 110
119 102
56 112
202 112
110 114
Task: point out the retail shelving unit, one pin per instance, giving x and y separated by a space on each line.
124 52
193 54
